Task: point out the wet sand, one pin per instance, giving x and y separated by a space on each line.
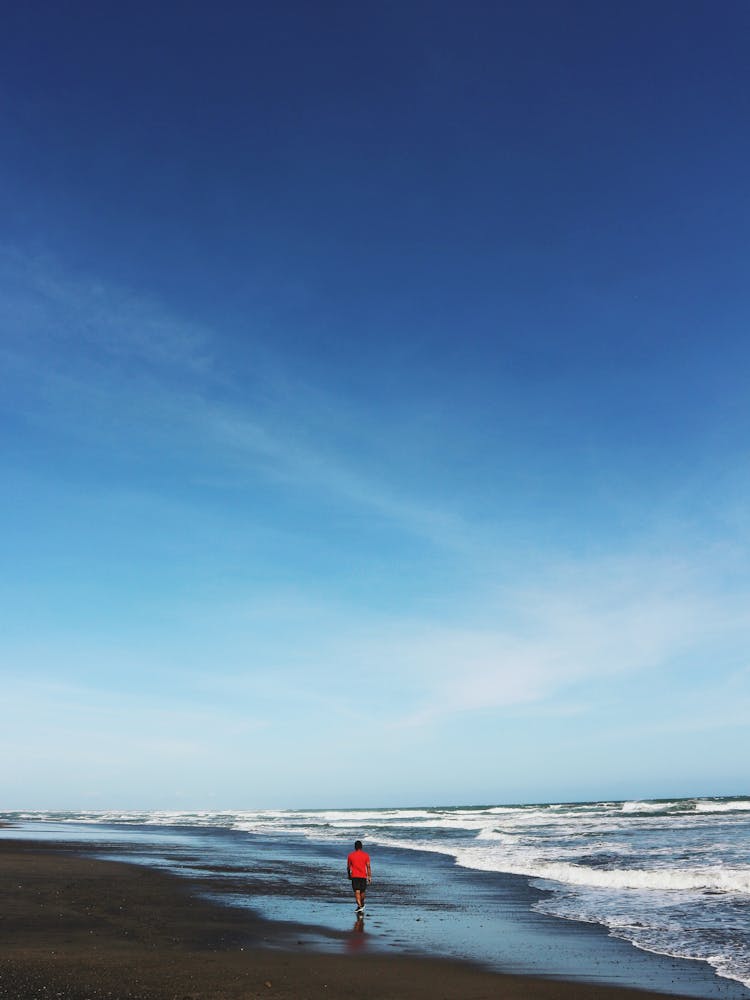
72 928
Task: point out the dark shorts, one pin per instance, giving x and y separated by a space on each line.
359 884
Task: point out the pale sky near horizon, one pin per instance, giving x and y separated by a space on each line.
374 403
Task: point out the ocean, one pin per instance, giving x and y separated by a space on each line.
667 877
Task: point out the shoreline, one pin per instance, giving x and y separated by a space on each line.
84 929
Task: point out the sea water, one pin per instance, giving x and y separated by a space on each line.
670 877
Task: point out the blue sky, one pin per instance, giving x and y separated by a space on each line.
374 403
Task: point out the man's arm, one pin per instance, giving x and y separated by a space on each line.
369 872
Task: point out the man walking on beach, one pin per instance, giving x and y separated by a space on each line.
359 871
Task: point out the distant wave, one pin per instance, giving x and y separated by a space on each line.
647 807
687 805
735 805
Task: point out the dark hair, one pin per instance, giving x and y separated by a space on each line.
357 845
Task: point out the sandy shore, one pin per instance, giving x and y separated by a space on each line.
79 929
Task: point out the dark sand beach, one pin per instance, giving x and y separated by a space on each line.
82 929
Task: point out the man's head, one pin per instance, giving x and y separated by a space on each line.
357 845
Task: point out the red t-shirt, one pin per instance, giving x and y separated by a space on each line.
358 862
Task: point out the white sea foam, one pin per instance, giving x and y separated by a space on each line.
669 880
520 861
679 936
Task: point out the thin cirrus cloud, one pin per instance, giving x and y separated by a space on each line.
88 319
567 637
572 639
77 336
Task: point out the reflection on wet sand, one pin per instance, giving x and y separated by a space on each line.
357 941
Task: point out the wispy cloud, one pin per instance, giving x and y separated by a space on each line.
585 625
316 467
44 306
561 640
111 368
